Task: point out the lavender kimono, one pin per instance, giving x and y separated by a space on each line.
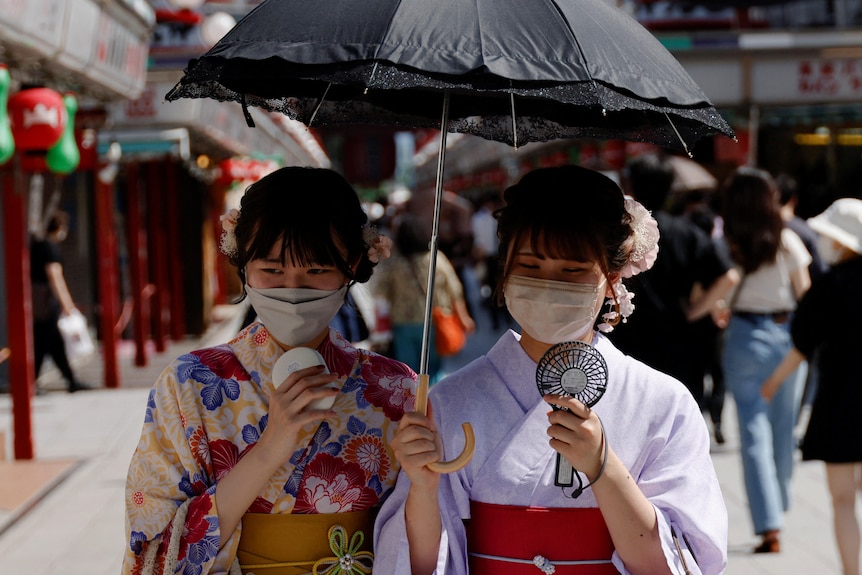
651 421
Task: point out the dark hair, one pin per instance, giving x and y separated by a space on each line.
568 212
313 212
752 217
56 221
650 178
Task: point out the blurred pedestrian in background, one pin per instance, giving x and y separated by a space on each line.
662 334
236 466
402 282
773 263
51 299
832 330
485 254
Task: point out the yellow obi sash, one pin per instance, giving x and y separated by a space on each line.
294 544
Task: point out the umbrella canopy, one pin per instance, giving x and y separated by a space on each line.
516 70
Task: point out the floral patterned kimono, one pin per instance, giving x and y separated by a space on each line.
209 408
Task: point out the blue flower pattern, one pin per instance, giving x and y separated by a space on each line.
214 388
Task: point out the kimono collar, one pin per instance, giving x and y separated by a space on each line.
518 370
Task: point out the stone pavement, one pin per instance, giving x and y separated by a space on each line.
63 513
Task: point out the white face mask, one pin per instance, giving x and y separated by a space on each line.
826 248
552 311
295 315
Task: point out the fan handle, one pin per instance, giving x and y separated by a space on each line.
469 437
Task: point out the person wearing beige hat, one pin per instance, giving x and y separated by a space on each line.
827 322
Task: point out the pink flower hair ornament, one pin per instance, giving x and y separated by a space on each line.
643 254
379 246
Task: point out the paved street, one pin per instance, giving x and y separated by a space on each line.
67 517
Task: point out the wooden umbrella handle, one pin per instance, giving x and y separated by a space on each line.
469 436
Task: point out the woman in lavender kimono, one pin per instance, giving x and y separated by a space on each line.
644 498
237 471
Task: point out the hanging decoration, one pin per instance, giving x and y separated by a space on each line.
7 142
37 117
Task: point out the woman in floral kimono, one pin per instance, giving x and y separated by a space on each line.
643 498
235 470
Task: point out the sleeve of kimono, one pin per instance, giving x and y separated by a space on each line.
170 466
391 548
679 480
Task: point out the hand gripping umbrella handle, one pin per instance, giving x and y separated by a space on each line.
469 437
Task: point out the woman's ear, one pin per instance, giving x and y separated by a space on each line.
613 278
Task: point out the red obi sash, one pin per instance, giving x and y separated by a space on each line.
505 540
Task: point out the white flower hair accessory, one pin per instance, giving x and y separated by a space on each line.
379 246
227 244
621 308
644 240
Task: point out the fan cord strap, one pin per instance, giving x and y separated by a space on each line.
580 488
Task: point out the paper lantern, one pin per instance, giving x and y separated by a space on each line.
37 117
64 157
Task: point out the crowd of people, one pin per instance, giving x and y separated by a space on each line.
232 463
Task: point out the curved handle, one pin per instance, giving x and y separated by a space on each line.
469 436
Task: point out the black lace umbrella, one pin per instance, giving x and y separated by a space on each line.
514 71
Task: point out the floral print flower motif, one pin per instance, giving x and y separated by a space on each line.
300 458
200 447
390 387
369 452
194 485
348 560
331 485
261 336
225 455
151 406
198 545
216 370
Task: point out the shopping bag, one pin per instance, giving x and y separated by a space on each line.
76 336
449 337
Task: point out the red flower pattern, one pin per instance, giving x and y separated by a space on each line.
261 336
390 386
331 485
196 523
225 455
222 362
369 452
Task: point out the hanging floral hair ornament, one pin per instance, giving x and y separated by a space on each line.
379 246
227 244
642 256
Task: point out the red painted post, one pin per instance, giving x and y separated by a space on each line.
106 252
137 264
157 248
175 263
19 310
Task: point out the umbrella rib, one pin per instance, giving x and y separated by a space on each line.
578 44
319 104
514 120
675 131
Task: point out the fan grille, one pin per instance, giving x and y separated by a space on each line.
575 369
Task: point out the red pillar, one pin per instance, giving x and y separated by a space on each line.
157 236
175 262
19 317
141 288
109 293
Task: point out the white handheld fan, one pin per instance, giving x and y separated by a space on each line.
576 369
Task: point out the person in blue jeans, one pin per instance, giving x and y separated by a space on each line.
773 263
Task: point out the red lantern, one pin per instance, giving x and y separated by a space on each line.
37 117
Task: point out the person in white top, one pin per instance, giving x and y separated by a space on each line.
773 263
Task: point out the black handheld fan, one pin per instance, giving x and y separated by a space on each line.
575 369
